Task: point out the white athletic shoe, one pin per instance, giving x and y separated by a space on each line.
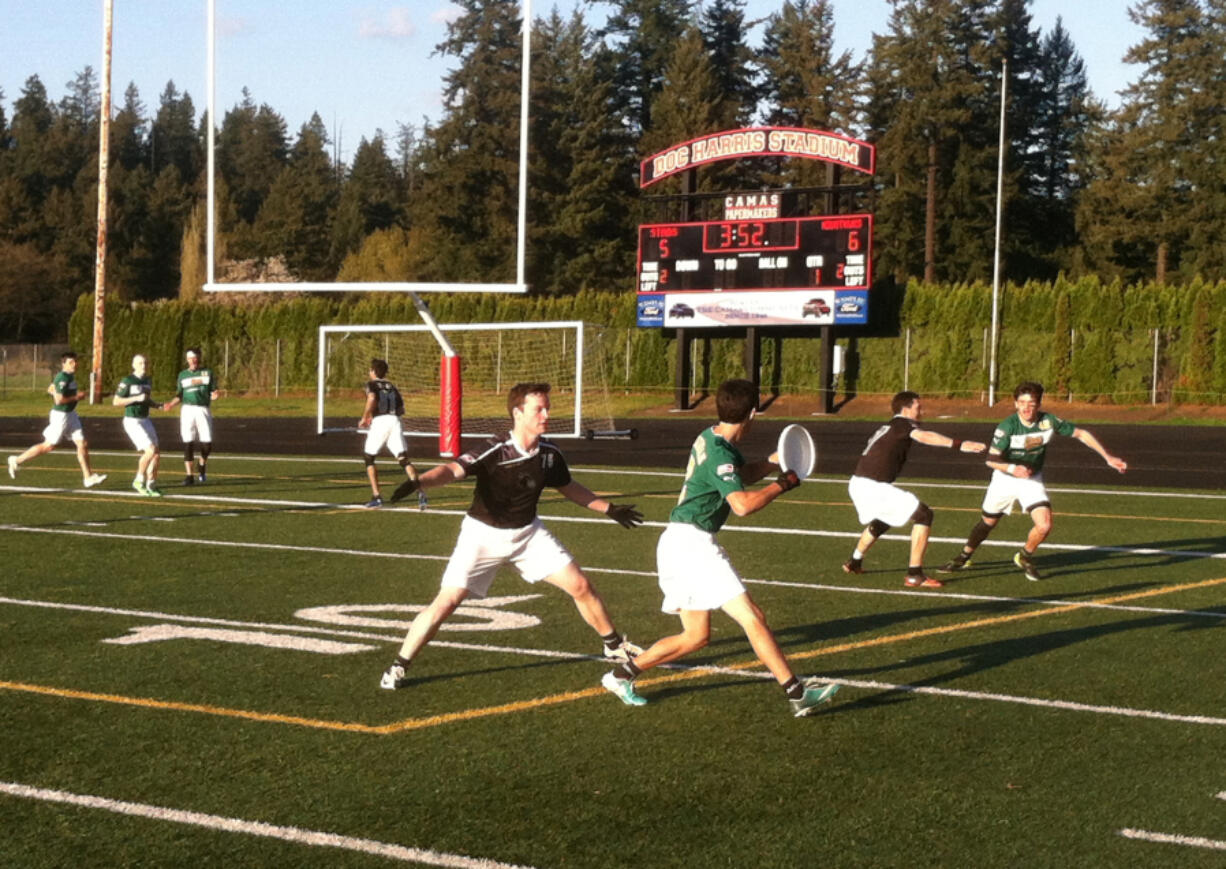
94 480
394 677
13 467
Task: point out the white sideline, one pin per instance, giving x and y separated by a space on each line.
1172 839
296 835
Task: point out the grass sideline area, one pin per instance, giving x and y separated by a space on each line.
194 680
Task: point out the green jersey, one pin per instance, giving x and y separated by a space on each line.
1021 444
65 386
196 387
714 472
133 385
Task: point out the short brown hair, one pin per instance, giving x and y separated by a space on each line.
903 400
520 391
736 400
1035 390
379 366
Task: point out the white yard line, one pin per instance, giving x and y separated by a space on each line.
296 835
1172 839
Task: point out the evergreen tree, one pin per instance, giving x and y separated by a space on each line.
1137 217
724 35
251 150
641 34
295 221
464 215
369 200
129 140
174 138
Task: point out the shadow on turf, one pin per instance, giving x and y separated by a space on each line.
979 657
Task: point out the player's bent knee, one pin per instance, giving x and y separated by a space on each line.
923 515
877 528
370 460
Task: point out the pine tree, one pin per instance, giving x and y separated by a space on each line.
174 138
641 35
1136 216
724 35
369 199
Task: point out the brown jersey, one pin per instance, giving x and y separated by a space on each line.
509 482
886 452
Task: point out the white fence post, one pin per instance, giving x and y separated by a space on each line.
1153 386
906 359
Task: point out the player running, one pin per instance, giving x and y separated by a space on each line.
696 575
197 390
879 503
62 422
502 527
381 416
1019 446
134 395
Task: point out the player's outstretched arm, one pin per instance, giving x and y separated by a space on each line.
431 479
745 502
754 471
935 439
625 515
1092 442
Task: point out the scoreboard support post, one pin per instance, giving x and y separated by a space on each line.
753 360
827 390
681 394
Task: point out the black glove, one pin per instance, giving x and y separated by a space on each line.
788 480
404 490
624 515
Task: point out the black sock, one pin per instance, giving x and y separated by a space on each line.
626 671
613 640
794 688
915 570
404 662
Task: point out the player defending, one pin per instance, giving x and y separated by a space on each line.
1019 446
197 390
879 503
62 422
695 573
502 527
384 407
134 395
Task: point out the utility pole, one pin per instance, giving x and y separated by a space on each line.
104 156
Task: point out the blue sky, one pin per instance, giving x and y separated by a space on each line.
366 64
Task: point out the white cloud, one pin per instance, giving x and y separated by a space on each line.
395 23
446 14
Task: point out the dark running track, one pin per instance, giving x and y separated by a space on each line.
1173 457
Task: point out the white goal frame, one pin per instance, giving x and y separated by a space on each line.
347 329
211 284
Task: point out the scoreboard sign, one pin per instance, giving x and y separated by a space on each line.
782 271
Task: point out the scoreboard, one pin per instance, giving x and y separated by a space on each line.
793 253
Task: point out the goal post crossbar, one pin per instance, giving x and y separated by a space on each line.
574 327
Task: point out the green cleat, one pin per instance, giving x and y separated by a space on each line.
139 486
815 695
152 490
623 689
957 563
1022 560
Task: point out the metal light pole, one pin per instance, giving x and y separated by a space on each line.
104 156
1000 196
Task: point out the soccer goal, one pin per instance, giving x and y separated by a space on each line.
493 357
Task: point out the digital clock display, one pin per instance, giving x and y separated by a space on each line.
791 253
750 235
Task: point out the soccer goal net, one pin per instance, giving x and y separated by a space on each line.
493 358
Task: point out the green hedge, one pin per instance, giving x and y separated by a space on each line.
1088 338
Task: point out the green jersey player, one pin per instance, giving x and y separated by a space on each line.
197 390
134 395
695 573
62 422
1019 446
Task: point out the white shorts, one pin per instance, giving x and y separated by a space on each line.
882 501
695 572
1005 489
385 431
140 431
196 424
481 549
61 424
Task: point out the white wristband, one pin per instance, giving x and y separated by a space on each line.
1010 470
